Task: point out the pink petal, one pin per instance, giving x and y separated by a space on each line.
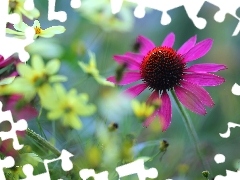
145 44
6 62
190 100
206 67
135 56
169 40
165 112
128 77
201 93
187 45
150 118
1 58
15 73
199 50
204 79
26 112
134 91
152 97
132 64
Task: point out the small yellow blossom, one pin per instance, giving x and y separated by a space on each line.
142 110
17 6
35 79
39 32
92 70
67 106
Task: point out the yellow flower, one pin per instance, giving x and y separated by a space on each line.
142 110
35 79
92 70
17 6
39 32
67 106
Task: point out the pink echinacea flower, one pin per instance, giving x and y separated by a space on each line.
161 69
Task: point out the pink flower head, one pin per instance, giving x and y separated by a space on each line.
18 107
161 68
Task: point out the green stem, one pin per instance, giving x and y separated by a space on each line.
190 129
44 143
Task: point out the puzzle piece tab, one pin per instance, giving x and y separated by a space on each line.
87 173
20 125
6 46
192 8
7 162
137 167
66 166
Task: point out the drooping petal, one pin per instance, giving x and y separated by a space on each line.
54 114
169 40
21 26
187 45
51 31
6 62
37 63
53 66
57 78
201 93
204 79
145 44
135 56
199 50
128 77
206 67
135 90
132 64
150 118
60 90
190 100
152 97
165 112
72 120
10 31
24 70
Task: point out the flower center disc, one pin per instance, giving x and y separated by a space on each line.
162 68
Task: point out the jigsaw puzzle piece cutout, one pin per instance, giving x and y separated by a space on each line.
87 173
75 4
116 5
225 7
7 49
53 15
20 125
137 167
192 9
7 162
29 5
230 175
227 139
210 10
28 171
222 16
66 164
